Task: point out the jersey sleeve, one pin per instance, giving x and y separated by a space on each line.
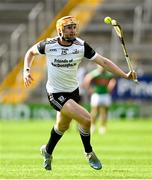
41 47
89 52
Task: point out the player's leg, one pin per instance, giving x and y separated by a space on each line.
74 111
105 101
94 110
103 116
81 115
62 124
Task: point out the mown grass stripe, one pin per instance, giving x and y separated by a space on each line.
126 151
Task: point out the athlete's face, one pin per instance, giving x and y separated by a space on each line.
70 31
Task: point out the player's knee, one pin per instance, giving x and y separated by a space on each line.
87 122
63 127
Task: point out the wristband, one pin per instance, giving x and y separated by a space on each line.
26 72
27 69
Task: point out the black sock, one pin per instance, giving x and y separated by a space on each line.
54 138
85 137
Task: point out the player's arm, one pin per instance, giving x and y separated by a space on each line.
111 84
87 80
106 63
37 49
87 83
28 59
111 67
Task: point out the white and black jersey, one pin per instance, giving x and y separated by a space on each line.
62 63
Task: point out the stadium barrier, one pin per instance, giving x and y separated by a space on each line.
44 111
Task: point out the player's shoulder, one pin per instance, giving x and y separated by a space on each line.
52 40
79 42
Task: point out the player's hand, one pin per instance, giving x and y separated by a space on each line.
132 75
27 78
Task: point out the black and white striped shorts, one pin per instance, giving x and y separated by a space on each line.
57 100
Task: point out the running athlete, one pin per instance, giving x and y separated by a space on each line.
63 55
99 84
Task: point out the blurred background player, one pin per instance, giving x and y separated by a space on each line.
99 84
63 55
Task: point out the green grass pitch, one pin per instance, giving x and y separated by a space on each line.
125 151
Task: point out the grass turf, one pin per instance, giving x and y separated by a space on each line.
125 151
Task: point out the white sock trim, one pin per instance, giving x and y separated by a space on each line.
57 131
83 132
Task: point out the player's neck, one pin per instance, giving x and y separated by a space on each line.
64 42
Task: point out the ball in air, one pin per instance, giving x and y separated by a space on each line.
107 20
